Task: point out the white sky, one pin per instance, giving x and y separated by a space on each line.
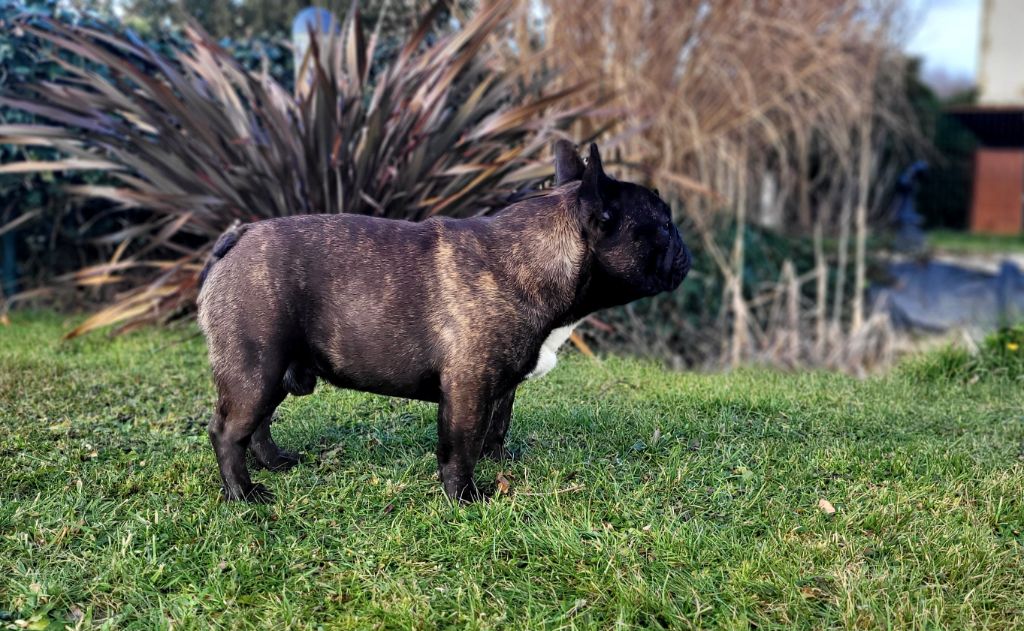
947 35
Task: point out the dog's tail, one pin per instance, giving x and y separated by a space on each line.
224 243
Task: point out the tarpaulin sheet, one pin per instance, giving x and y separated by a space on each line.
935 297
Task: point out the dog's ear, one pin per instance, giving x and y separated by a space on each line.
568 166
593 190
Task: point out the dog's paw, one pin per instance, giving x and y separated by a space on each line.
284 461
256 494
463 493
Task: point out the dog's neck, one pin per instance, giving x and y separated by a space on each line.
542 251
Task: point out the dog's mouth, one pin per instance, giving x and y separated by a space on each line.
675 265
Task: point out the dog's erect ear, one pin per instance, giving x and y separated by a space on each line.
592 190
594 179
568 166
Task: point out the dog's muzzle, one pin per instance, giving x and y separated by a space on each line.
675 265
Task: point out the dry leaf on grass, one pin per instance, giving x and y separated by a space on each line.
826 506
504 486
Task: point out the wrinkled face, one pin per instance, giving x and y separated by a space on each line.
637 249
638 244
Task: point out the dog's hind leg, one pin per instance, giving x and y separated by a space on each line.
267 453
240 413
299 380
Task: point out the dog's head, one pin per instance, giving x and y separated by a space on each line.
636 249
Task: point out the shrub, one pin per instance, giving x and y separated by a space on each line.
47 229
196 145
50 231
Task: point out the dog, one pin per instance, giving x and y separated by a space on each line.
453 311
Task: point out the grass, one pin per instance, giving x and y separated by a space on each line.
969 243
645 498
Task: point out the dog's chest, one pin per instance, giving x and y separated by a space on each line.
548 355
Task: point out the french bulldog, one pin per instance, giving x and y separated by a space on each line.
453 311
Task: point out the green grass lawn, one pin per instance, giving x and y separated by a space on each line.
644 499
958 242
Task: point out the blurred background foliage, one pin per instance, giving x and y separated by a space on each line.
437 119
48 234
776 132
56 228
249 18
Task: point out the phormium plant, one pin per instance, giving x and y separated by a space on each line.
197 142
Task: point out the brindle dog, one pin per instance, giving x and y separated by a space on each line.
456 311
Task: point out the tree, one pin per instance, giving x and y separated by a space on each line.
245 18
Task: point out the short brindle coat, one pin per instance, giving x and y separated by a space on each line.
457 311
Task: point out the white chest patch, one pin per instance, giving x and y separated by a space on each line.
548 355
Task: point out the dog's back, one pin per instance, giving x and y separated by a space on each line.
336 296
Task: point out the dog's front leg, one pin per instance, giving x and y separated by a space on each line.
462 417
